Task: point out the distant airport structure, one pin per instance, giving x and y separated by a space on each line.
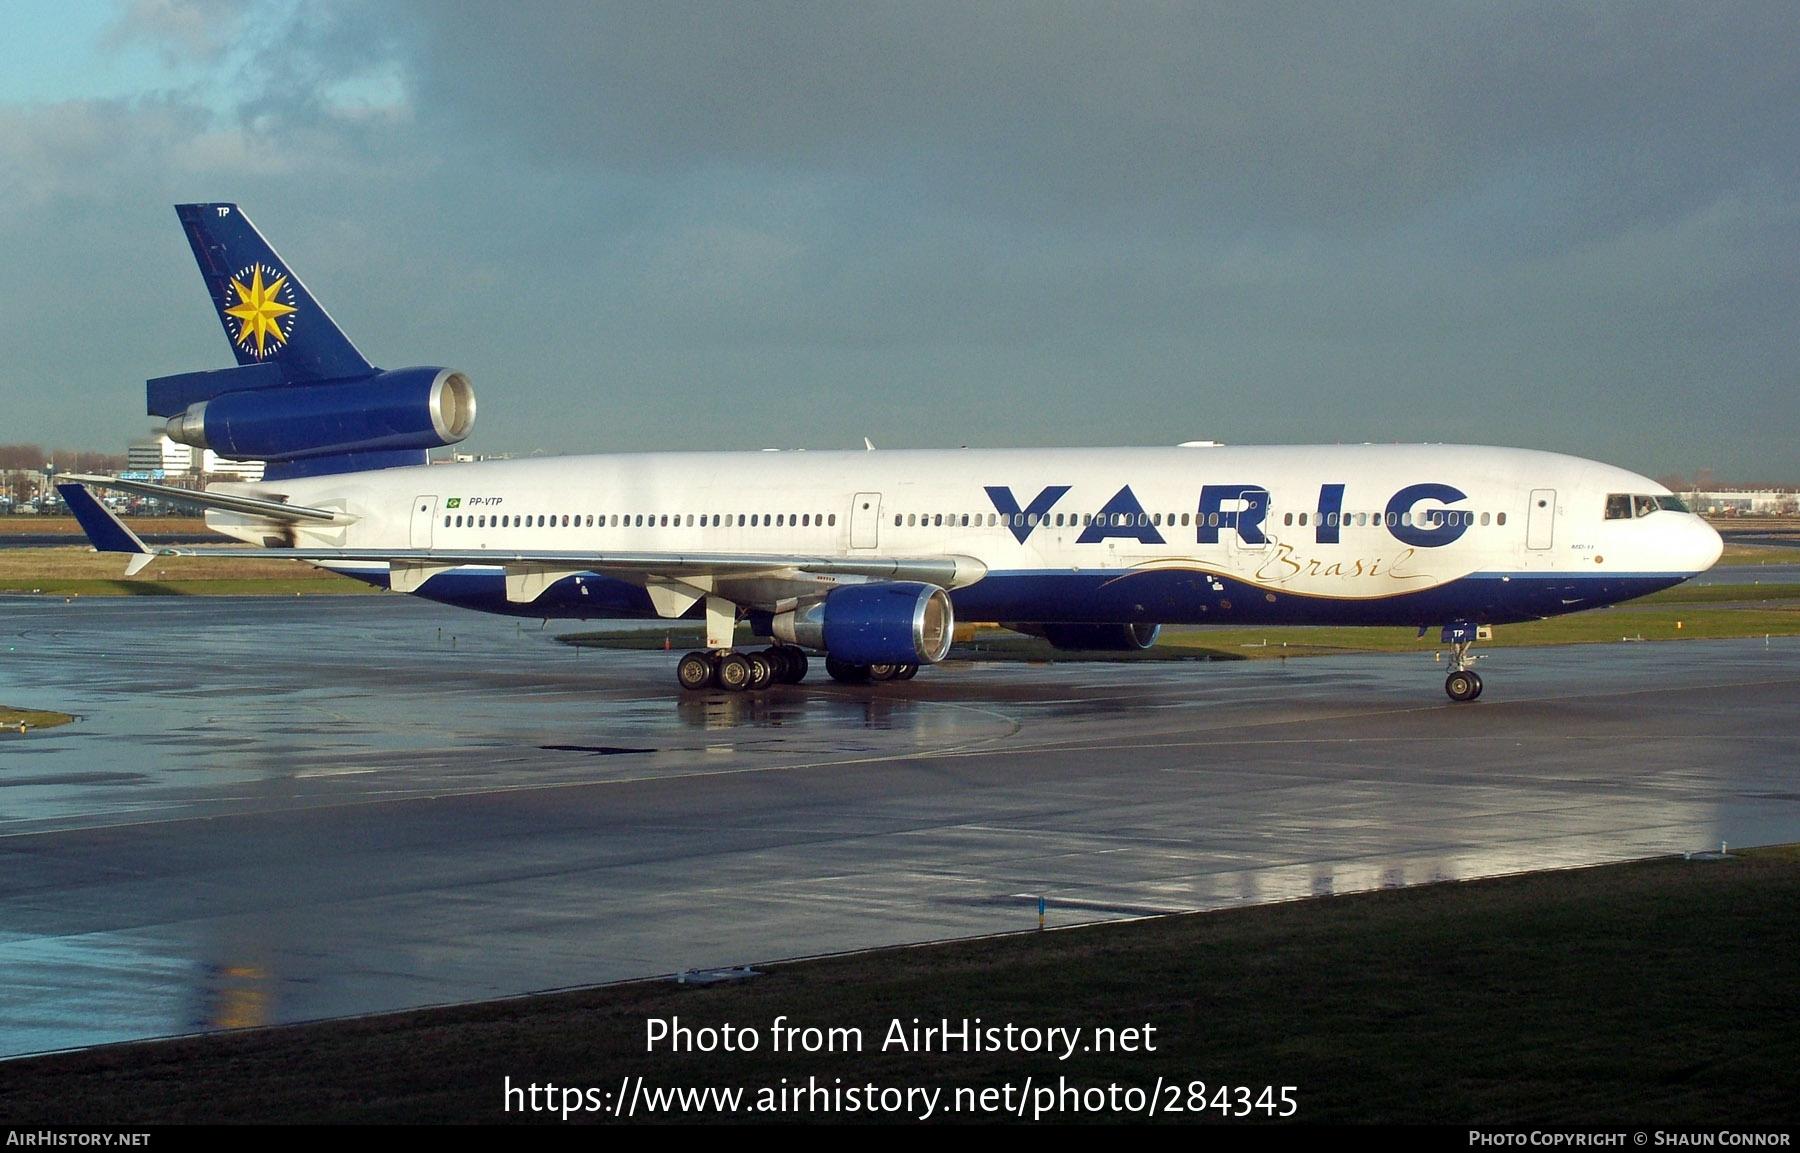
1744 502
165 457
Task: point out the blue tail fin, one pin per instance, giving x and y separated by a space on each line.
269 317
301 397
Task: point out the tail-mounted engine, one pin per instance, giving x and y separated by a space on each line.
406 408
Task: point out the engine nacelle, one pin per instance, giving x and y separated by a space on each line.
1094 638
891 623
408 408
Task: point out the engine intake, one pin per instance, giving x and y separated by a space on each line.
407 408
891 623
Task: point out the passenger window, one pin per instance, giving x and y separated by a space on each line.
1302 520
833 520
446 520
1499 518
1184 519
1618 506
896 520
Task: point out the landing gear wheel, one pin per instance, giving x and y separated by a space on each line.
762 671
846 673
1462 686
883 672
695 671
907 672
733 673
796 666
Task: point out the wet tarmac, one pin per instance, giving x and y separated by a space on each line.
282 809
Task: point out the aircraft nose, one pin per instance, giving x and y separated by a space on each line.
1700 546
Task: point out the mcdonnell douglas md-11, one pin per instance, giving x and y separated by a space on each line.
868 558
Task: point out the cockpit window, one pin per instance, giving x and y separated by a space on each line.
1625 506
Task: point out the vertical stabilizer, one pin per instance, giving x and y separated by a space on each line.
268 316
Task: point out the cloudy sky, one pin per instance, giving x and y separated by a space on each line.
669 225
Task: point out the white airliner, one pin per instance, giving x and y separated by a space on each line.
870 557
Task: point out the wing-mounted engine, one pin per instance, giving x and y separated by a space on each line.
406 408
886 623
1124 638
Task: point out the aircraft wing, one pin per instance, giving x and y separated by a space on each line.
249 505
675 581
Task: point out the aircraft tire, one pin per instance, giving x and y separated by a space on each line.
1463 686
846 673
907 672
762 671
695 671
796 666
884 672
733 673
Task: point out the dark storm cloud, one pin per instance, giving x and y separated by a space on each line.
1564 226
1279 115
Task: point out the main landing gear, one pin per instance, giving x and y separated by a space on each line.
736 672
849 674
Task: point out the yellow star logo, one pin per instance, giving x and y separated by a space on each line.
258 310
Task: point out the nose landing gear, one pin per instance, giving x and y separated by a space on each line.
1463 683
1463 686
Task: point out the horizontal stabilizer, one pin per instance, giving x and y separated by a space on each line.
105 531
225 502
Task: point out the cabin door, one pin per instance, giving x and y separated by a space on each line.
1540 520
424 512
865 520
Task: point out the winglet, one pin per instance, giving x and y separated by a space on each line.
105 531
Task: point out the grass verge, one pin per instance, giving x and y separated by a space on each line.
11 718
79 571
